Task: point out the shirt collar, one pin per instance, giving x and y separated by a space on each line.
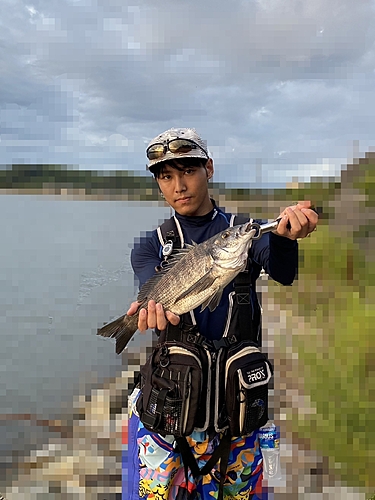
199 220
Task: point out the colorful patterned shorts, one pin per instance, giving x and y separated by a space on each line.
162 475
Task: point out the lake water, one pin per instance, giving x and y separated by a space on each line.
64 270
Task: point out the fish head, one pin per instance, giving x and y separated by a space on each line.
230 247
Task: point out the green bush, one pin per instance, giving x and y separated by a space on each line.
334 297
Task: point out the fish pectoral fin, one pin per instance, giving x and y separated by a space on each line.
202 284
213 301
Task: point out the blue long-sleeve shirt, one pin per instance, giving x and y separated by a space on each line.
277 255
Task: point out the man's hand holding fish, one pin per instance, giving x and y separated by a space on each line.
153 316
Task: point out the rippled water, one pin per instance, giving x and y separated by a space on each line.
64 270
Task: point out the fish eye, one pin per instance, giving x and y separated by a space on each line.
225 235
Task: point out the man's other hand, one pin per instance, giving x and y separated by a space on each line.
297 221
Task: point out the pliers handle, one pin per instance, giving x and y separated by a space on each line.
264 228
269 226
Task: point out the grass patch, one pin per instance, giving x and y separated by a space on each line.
335 296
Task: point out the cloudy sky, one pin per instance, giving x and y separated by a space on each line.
280 89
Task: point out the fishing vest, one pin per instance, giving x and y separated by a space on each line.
220 386
244 314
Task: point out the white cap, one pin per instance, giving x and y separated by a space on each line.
179 133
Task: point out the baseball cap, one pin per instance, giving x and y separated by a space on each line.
176 143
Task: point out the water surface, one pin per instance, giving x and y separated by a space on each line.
64 271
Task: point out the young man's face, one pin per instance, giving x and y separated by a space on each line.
185 188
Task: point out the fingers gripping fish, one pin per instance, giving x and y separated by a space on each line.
193 276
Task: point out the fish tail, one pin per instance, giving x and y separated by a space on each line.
122 329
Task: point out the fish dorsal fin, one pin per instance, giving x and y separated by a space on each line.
175 257
213 301
202 284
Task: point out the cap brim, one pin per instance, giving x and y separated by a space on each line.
175 156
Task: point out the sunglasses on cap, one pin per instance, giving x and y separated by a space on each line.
158 150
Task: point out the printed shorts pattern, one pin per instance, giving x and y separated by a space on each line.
162 475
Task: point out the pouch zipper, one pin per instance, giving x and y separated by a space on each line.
185 417
208 399
240 354
242 407
181 350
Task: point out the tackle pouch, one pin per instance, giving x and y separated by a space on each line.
247 374
173 389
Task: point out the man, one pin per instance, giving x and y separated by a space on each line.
180 163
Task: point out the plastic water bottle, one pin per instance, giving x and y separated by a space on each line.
269 441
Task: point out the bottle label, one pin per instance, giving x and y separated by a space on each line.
269 438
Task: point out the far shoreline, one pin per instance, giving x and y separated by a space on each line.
258 209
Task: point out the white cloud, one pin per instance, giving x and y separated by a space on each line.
268 81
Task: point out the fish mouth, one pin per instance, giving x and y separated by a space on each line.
247 228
